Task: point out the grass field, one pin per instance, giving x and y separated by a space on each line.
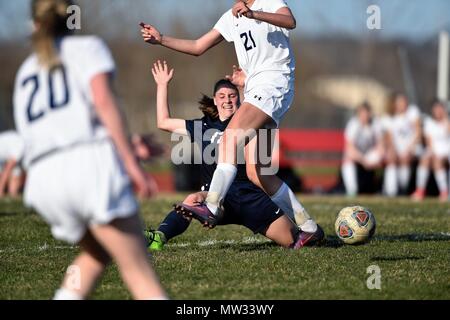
411 246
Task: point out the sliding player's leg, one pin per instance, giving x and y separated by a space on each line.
172 226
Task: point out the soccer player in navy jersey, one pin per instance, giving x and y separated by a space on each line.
246 204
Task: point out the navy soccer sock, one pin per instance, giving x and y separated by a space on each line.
173 225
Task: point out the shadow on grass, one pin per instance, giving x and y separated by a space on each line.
396 258
10 214
415 237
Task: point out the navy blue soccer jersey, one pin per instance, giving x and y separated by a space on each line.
206 133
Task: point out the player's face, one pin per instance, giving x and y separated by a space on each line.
439 113
401 104
227 102
364 116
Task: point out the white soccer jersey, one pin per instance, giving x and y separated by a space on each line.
403 128
363 137
11 146
54 109
439 135
260 47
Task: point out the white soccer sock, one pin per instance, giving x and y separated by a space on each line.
220 184
390 186
404 174
422 177
350 179
285 199
441 180
66 294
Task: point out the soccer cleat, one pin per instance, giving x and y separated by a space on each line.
306 239
200 213
443 196
155 240
418 195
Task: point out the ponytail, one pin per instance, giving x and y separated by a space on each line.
208 107
50 17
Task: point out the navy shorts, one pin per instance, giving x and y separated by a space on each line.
248 206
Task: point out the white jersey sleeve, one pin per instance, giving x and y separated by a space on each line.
351 130
413 113
428 127
224 26
274 5
95 59
377 128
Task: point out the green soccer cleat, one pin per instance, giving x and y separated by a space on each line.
155 240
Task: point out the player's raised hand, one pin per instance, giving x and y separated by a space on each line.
162 73
238 77
240 9
150 34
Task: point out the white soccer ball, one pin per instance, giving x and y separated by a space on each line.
355 225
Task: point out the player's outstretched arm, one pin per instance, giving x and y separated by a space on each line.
282 18
163 75
108 113
193 47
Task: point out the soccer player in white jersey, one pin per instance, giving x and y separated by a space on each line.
11 173
260 32
402 127
78 158
437 154
363 146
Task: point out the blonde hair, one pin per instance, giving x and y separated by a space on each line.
50 17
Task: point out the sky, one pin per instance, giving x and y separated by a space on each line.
415 20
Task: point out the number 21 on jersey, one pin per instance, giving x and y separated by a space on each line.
249 42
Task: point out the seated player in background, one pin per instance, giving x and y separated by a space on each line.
77 155
402 129
12 176
246 204
363 148
437 153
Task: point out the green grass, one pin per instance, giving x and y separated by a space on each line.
411 246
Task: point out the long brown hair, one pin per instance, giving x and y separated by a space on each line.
207 105
50 17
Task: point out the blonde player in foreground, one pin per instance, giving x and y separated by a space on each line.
78 158
260 32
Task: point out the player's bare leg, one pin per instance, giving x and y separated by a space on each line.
283 231
241 129
276 189
125 243
441 177
83 274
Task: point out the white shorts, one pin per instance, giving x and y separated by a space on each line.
79 187
272 93
441 150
